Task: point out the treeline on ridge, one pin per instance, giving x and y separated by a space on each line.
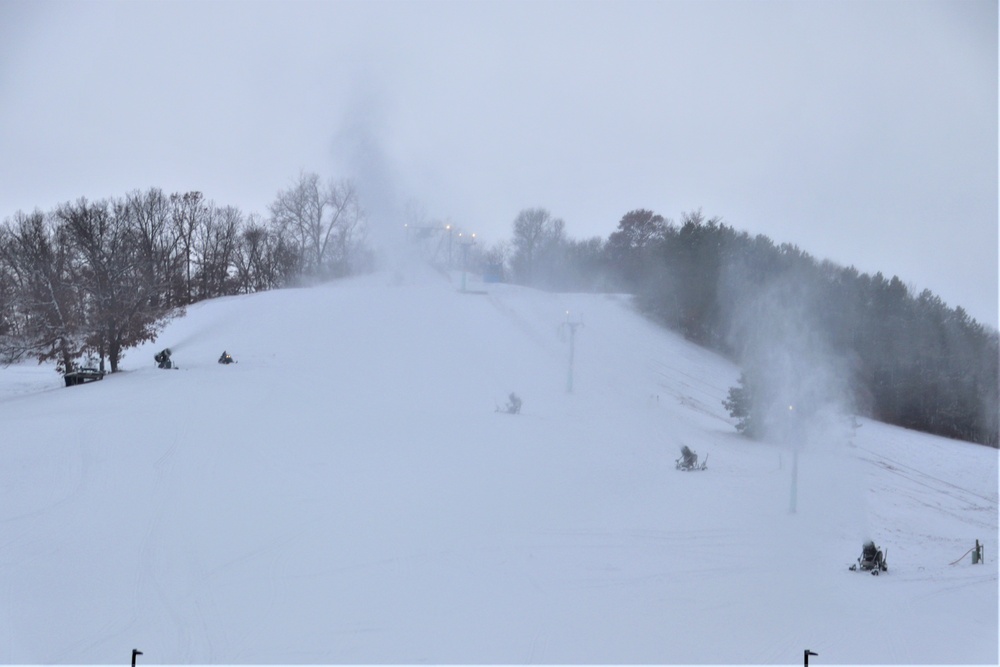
907 359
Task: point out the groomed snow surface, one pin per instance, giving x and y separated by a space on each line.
348 493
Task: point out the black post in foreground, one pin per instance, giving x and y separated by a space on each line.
135 652
806 654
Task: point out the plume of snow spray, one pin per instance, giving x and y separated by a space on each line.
801 394
358 146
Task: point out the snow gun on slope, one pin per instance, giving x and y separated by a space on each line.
689 460
871 560
162 359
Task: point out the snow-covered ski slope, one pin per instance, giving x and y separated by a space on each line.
348 493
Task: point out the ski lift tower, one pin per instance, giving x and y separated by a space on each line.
571 327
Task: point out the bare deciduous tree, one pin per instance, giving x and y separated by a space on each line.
188 213
214 250
322 220
535 233
120 306
156 244
46 306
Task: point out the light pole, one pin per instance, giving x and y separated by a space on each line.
448 227
465 243
793 433
135 652
572 351
806 655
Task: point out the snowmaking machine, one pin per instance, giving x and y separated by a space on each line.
689 460
162 359
871 560
513 406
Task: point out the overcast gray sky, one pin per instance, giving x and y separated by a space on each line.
863 131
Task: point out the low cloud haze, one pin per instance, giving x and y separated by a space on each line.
864 132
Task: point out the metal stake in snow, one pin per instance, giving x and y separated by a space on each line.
806 656
572 350
135 652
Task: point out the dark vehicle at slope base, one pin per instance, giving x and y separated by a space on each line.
83 376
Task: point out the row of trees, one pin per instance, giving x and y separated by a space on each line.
541 255
93 278
786 317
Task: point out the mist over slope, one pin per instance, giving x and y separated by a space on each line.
348 493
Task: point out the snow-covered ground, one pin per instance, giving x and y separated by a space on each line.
348 493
